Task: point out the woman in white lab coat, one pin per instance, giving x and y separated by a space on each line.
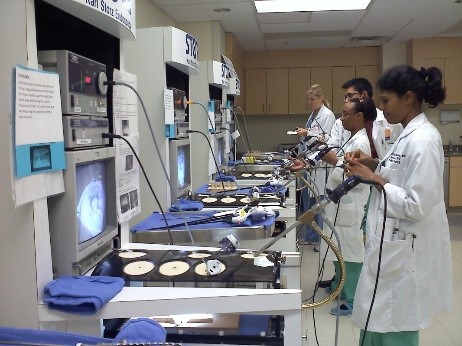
415 276
347 215
319 124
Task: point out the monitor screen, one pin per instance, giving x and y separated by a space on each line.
221 152
91 200
183 168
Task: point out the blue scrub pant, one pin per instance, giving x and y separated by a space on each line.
306 203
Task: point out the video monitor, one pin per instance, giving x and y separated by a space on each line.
180 167
83 219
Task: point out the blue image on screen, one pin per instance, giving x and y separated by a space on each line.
40 157
182 167
91 200
221 152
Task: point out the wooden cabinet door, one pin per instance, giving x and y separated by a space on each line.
371 73
453 80
277 91
255 91
323 76
455 181
299 82
339 76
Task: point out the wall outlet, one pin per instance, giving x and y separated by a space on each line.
460 139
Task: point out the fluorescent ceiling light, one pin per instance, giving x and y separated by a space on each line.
269 6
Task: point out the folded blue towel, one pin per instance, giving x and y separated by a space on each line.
186 205
141 330
223 177
15 336
81 294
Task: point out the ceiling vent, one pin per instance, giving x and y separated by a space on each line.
370 39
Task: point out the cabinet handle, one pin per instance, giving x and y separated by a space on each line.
263 107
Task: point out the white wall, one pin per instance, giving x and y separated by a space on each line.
393 54
18 289
149 15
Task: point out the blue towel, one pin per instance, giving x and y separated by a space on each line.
186 205
46 337
223 177
81 294
141 330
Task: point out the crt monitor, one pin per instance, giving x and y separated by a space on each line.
220 148
83 220
180 167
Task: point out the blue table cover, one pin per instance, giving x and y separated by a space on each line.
156 222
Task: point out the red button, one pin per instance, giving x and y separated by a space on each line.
87 80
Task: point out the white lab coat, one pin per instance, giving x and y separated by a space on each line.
321 125
350 209
338 135
415 280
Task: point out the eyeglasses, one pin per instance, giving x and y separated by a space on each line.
349 96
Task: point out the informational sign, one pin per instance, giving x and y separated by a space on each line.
117 17
234 86
181 50
127 169
38 127
218 74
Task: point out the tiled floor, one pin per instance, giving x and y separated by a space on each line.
446 329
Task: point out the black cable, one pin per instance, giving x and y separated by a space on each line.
111 135
380 259
244 127
213 154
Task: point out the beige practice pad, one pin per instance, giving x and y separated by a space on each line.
132 254
173 268
209 200
199 255
228 200
245 200
138 268
252 256
201 269
246 175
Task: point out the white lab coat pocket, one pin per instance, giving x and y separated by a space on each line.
396 255
347 215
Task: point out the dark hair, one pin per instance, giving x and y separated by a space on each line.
426 84
360 84
366 106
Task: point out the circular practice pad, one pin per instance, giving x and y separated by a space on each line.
199 255
173 268
209 200
201 269
246 175
228 200
138 268
245 200
131 254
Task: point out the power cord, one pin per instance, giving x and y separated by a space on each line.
379 262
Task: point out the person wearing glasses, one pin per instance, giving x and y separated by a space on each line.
378 130
407 270
319 125
383 134
347 215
